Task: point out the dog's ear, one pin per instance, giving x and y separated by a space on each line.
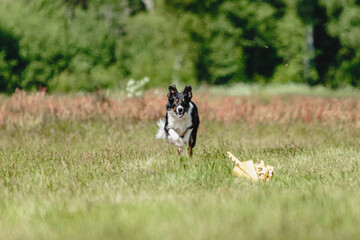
172 91
188 91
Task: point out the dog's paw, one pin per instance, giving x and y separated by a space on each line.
180 151
179 142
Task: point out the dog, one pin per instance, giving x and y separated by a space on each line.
181 121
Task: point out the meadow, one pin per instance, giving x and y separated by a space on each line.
89 167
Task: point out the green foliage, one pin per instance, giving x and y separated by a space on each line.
154 47
55 46
290 34
195 6
257 21
345 25
11 63
85 44
232 45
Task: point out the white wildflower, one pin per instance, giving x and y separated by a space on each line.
136 88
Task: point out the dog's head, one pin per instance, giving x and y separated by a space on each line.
179 103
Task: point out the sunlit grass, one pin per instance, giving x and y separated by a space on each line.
112 180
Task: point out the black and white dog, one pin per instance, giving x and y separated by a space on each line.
181 120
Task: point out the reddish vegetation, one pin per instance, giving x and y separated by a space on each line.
32 109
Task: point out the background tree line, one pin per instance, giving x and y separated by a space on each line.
68 45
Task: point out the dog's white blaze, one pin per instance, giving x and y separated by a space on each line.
177 126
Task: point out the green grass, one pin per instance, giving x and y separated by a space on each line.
96 180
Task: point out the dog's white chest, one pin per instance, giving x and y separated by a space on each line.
180 125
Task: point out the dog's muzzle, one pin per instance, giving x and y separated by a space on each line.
180 111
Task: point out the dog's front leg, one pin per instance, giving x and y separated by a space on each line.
176 139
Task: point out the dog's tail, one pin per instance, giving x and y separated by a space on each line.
161 133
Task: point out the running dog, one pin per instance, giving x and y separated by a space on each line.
181 121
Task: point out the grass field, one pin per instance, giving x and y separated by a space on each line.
106 177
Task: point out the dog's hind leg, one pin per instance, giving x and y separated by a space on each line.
192 141
191 145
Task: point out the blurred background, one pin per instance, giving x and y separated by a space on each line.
83 45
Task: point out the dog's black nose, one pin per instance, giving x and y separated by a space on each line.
180 110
